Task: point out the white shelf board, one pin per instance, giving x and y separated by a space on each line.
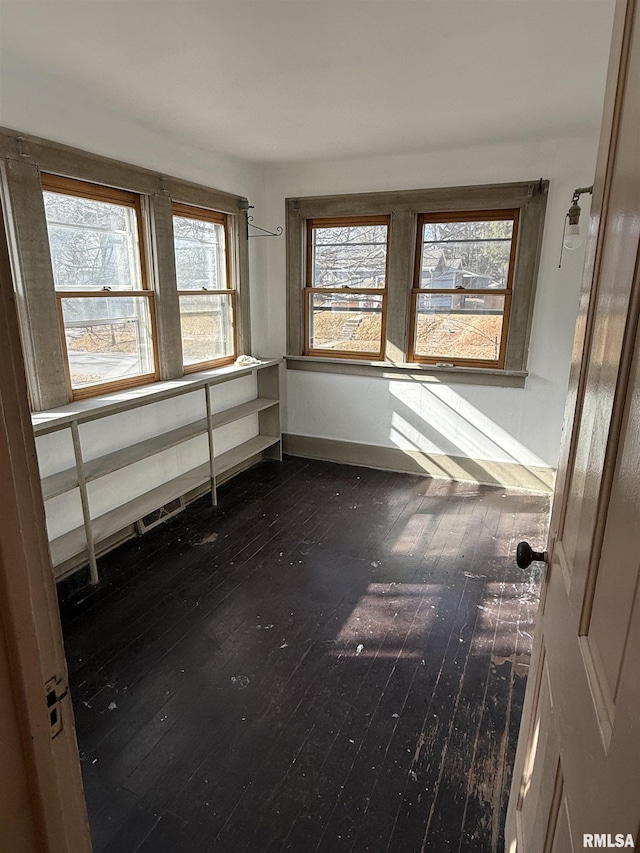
236 412
59 483
102 465
68 545
125 400
127 513
244 451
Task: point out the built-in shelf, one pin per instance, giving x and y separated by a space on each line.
243 452
99 467
78 546
237 412
129 512
65 481
58 484
68 545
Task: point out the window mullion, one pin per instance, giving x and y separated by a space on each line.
402 243
238 260
167 305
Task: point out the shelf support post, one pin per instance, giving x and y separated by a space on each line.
84 500
212 464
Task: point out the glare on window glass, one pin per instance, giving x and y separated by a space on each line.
206 323
351 256
351 260
108 339
459 326
470 255
350 322
200 254
93 243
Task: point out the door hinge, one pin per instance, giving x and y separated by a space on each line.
55 691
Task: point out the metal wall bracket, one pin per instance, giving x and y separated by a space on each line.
265 233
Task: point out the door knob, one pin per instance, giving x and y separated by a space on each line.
525 555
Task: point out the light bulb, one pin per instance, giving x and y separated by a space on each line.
572 237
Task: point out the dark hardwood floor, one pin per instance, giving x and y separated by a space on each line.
333 659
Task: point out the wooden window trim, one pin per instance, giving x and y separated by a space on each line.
110 195
85 189
98 192
507 292
188 211
403 207
28 161
342 222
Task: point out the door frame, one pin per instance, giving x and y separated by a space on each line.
30 618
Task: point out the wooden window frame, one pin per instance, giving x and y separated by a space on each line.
188 211
464 216
23 161
309 291
403 207
97 192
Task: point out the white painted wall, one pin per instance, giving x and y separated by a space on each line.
56 109
495 424
487 423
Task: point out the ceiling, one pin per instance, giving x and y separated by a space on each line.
291 80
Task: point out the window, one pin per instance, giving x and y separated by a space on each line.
345 297
462 292
415 282
94 266
207 300
105 307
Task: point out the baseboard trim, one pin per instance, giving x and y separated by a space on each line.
461 468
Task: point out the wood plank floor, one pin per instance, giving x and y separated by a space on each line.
333 659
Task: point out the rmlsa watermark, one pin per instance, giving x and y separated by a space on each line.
603 840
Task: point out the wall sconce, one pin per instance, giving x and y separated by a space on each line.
571 238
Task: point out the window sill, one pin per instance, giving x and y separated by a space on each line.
412 372
92 408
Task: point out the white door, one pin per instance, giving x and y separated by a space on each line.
577 775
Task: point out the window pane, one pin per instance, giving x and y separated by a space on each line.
444 232
94 244
351 322
207 327
200 254
468 255
350 256
107 339
459 326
